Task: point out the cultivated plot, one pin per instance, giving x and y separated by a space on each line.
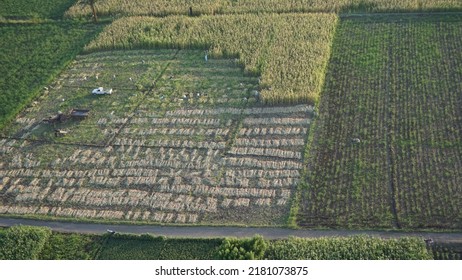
289 52
215 7
31 55
179 140
387 149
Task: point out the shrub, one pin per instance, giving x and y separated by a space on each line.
23 242
243 249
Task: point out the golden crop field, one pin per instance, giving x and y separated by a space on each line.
211 7
290 52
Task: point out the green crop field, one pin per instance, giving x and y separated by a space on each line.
147 247
349 248
26 242
291 62
393 84
26 9
337 114
213 7
32 55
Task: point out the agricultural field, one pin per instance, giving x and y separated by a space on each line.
35 9
349 248
291 64
32 55
25 242
180 140
449 251
115 8
387 148
32 243
246 113
148 247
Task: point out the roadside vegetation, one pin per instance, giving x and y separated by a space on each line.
33 243
263 113
25 242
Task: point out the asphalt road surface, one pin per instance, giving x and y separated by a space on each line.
209 231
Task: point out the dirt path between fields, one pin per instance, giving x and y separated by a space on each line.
209 231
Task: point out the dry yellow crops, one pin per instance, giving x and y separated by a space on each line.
181 7
290 52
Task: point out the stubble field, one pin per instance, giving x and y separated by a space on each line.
180 140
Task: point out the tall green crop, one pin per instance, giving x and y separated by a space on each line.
290 52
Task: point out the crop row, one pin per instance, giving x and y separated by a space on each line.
156 216
258 173
162 121
263 164
244 111
176 143
211 7
176 131
266 152
143 175
199 199
142 178
276 121
263 131
277 143
387 150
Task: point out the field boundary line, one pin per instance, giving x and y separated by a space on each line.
388 136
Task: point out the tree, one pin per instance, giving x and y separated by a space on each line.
242 249
90 3
23 242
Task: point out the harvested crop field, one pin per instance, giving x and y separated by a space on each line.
180 140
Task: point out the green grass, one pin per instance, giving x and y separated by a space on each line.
393 83
41 243
71 246
32 55
25 9
348 248
116 8
23 242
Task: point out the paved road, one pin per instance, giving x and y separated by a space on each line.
207 231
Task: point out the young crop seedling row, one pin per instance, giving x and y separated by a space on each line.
387 146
